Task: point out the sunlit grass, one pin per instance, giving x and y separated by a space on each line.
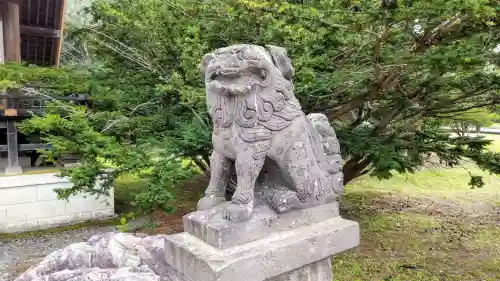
425 226
495 145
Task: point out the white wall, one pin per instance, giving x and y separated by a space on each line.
29 202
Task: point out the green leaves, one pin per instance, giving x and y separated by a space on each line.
54 80
390 80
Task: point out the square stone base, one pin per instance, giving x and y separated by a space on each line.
210 227
293 254
318 271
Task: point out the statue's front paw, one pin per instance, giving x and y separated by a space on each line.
236 212
209 202
283 201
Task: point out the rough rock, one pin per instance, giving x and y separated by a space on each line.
107 256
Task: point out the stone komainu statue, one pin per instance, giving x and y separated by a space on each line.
261 134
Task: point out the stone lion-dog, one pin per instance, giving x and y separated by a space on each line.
261 132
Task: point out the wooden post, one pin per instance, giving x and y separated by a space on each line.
60 25
2 51
12 47
12 150
12 32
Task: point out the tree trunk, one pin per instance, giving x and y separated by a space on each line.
354 168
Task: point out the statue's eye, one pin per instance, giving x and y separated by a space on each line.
242 55
213 76
263 74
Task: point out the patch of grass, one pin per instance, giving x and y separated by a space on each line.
442 183
59 229
495 125
417 228
495 145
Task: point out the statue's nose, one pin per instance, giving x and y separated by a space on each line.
233 62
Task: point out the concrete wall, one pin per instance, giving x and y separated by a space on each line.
29 202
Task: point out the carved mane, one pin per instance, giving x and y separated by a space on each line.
270 107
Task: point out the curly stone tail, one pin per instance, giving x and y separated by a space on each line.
328 141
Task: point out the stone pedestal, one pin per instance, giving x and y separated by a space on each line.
294 246
13 170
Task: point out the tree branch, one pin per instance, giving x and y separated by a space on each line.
433 35
377 51
359 100
116 121
354 168
202 165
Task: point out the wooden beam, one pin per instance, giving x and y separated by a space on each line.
15 96
19 2
40 31
34 146
27 147
12 36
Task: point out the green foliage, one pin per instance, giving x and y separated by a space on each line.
123 225
52 80
103 158
389 78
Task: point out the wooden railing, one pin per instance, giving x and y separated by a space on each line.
27 147
21 104
24 104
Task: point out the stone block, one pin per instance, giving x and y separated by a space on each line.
17 195
81 216
103 214
89 204
46 192
56 221
35 210
3 214
321 271
31 180
210 227
29 202
295 252
19 226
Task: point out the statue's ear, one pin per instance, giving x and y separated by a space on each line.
281 60
205 61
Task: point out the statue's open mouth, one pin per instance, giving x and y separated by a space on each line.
225 74
237 78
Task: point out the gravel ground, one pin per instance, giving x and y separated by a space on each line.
17 255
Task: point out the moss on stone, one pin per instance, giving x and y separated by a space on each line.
59 229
